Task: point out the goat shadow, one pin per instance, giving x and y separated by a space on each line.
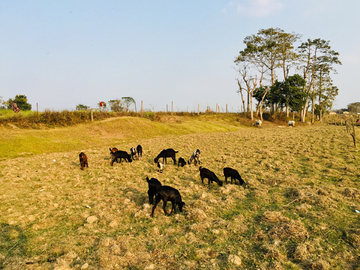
139 197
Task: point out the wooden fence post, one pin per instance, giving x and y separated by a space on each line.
226 108
142 109
172 107
92 115
198 109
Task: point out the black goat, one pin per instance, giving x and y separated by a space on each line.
154 185
206 173
119 155
83 160
233 174
181 162
165 154
139 150
166 193
195 157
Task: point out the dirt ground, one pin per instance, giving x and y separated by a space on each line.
299 208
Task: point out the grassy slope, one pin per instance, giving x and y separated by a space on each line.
17 142
296 211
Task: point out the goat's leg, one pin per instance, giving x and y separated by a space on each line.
226 179
151 197
157 200
164 207
173 207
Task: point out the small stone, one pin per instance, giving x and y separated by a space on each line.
234 259
91 219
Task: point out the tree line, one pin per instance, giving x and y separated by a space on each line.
116 105
281 76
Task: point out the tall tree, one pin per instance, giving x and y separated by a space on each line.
270 49
250 85
128 101
318 59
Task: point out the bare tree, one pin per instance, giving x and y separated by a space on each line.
250 85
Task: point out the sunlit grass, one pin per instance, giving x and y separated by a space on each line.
297 209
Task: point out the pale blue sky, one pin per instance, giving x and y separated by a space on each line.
63 53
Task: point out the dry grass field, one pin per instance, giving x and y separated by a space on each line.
299 208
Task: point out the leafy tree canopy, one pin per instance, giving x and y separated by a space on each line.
354 107
116 105
21 102
127 102
81 107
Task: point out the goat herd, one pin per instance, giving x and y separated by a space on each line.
156 189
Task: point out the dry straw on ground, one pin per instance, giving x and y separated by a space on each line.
296 210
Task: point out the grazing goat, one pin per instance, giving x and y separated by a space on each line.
119 155
165 154
154 185
139 150
133 153
161 166
181 162
291 123
206 173
258 123
166 193
233 174
195 157
114 149
83 160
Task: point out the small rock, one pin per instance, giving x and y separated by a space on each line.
91 219
113 224
234 259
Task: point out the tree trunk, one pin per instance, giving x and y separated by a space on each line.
303 112
252 109
261 103
248 102
313 110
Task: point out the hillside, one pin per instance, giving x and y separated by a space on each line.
299 208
